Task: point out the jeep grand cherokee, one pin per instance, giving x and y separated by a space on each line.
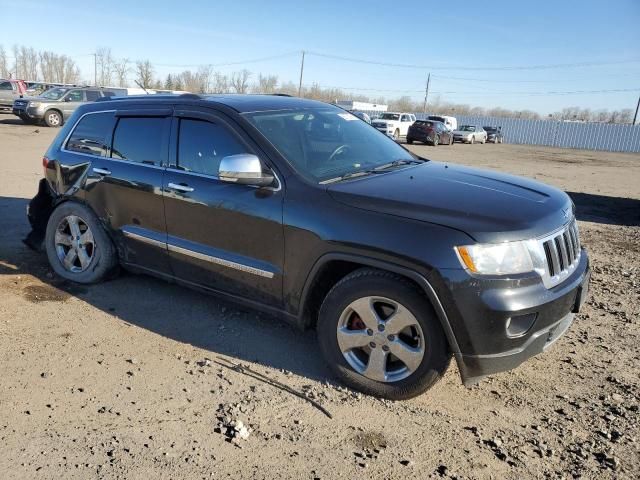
297 208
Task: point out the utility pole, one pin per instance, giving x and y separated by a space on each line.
426 94
635 117
301 72
95 69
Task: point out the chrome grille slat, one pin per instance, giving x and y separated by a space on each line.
561 254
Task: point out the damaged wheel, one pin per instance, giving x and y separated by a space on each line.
380 335
77 246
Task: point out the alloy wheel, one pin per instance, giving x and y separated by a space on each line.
75 245
380 339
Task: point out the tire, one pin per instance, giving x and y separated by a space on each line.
484 140
473 140
369 286
435 141
53 118
450 140
396 135
95 255
410 141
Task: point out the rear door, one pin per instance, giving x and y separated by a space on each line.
223 236
124 186
6 93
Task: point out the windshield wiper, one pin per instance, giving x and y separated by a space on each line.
397 163
346 176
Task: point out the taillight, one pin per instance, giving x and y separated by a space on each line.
45 164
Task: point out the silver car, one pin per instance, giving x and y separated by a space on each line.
470 134
56 105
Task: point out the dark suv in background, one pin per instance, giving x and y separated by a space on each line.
429 131
299 209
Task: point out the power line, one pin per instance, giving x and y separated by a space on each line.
226 64
501 68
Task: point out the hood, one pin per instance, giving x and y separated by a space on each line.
31 99
489 206
383 122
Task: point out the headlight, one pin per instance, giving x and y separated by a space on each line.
499 258
34 104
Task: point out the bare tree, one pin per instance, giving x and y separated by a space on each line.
220 83
144 73
266 84
4 64
104 65
121 69
26 63
240 81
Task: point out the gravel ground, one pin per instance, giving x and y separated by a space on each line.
126 379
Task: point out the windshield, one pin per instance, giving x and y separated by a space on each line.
468 128
325 143
54 93
390 116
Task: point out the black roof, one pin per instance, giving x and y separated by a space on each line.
241 103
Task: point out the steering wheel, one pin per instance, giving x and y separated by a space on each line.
338 151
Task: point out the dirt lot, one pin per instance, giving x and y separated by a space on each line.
120 380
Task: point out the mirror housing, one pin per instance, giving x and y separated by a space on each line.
243 169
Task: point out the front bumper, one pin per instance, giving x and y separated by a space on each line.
30 112
461 139
479 312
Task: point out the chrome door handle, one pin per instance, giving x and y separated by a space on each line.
180 188
102 171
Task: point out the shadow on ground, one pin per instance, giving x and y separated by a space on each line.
169 310
606 210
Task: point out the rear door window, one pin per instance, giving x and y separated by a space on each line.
141 139
202 144
92 95
5 86
92 134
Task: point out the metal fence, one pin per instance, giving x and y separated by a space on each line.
589 136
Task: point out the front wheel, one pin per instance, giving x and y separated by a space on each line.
396 135
379 335
410 141
473 140
78 248
435 141
53 118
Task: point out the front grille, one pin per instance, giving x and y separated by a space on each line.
19 103
562 252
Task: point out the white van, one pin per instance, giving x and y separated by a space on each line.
450 122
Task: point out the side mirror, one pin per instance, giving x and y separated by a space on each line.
244 169
67 99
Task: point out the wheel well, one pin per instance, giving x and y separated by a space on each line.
329 274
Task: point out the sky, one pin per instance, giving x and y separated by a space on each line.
479 53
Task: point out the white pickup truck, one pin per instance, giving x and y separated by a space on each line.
395 125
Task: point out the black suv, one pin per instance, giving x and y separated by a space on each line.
298 208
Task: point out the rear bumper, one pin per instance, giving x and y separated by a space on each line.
480 312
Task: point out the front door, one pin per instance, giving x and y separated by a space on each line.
223 236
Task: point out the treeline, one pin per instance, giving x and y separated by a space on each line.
34 65
30 64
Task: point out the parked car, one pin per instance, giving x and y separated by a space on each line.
393 124
429 131
450 122
290 206
56 105
361 116
494 134
470 134
10 89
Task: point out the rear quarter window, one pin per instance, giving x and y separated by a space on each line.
92 133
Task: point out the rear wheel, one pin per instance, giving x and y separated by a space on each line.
450 140
380 335
396 135
409 140
52 118
78 248
435 141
